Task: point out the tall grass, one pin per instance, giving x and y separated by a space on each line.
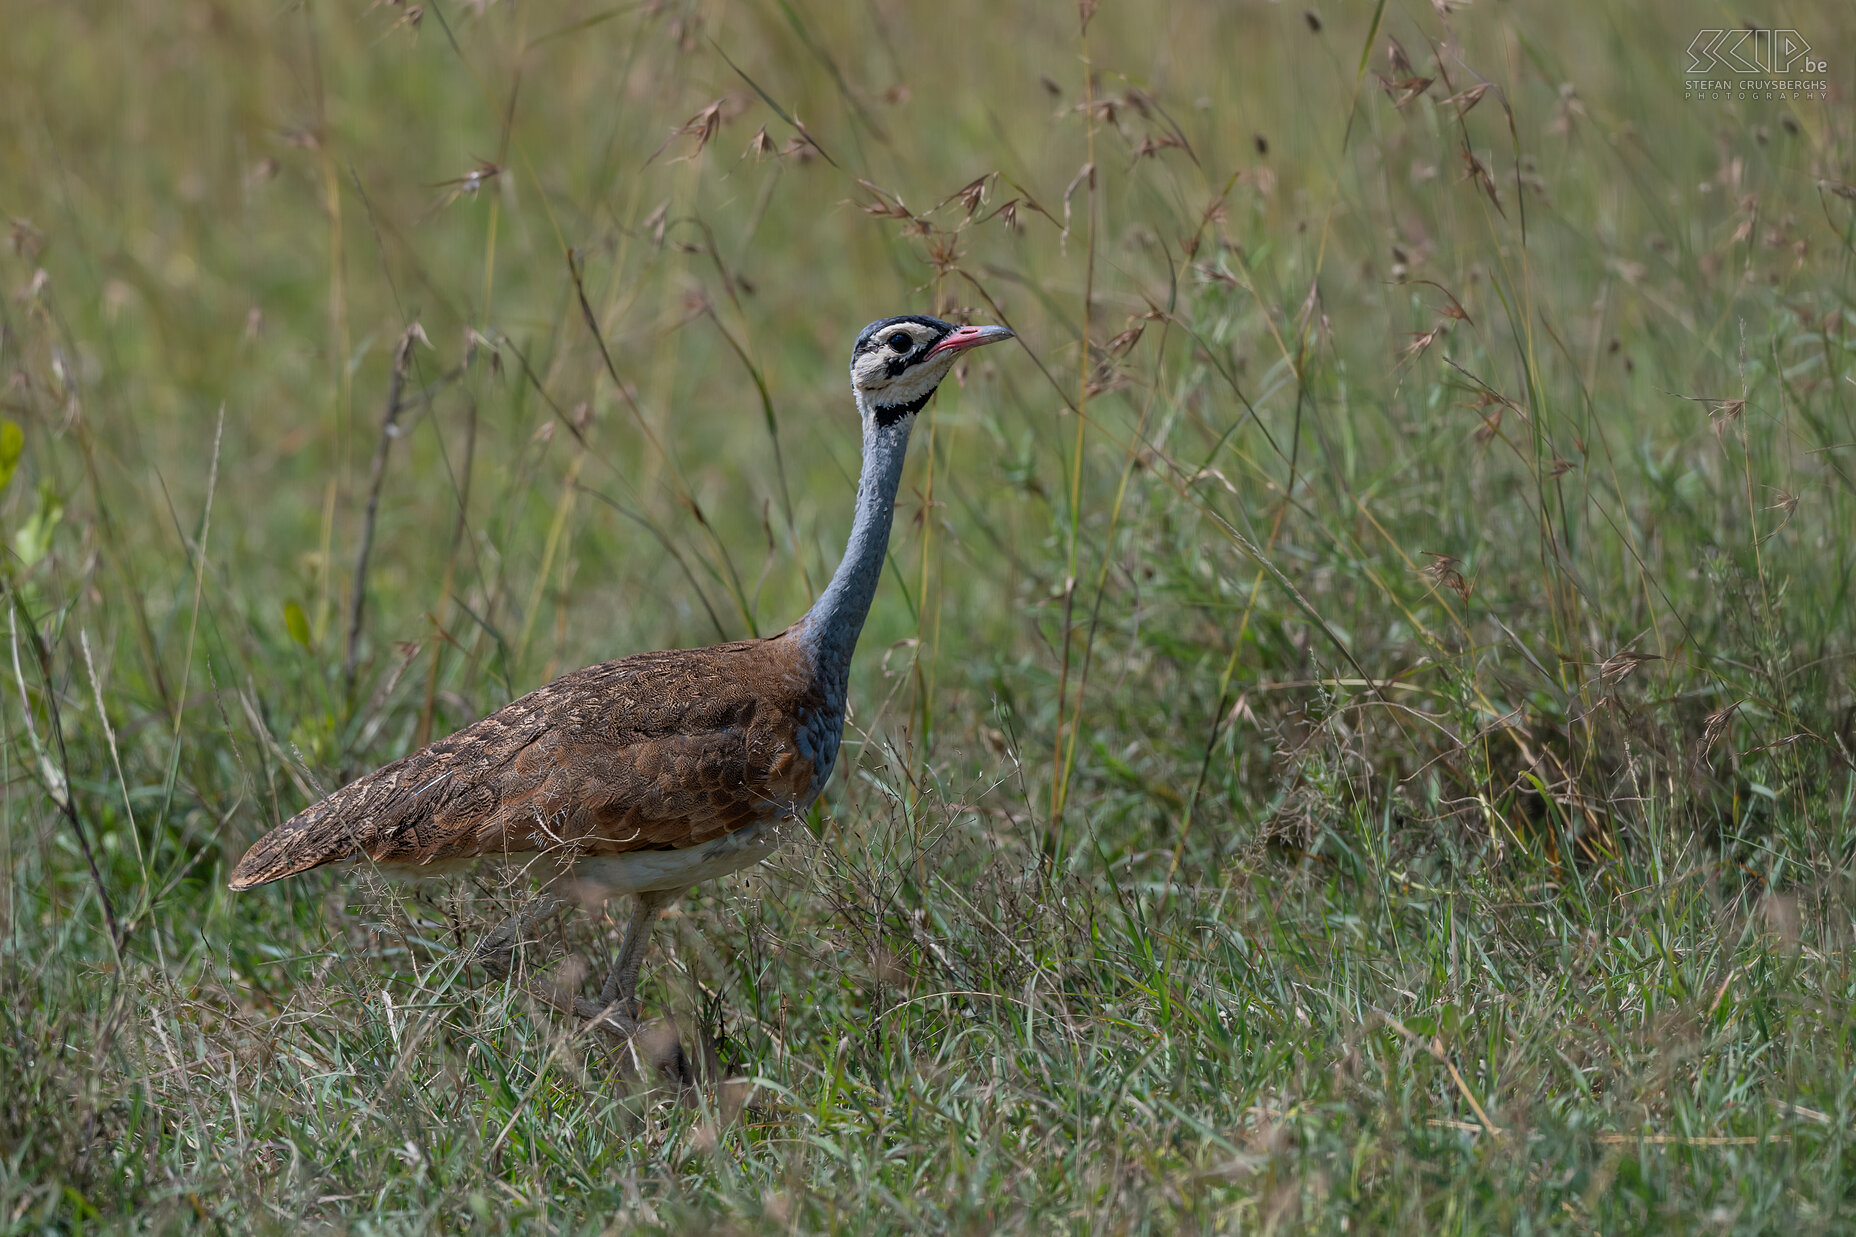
1357 736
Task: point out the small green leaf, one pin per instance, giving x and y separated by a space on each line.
33 541
297 623
12 446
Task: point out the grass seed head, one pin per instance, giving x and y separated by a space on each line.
25 240
886 206
1447 571
1715 727
1723 413
971 195
1620 665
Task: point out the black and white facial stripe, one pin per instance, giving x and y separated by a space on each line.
886 333
880 335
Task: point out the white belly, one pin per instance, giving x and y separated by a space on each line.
639 871
643 871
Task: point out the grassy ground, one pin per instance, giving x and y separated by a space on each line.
1358 735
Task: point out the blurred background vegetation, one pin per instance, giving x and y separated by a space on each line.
1358 732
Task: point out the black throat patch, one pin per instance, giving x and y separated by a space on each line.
888 414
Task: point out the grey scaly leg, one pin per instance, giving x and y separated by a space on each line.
620 991
495 949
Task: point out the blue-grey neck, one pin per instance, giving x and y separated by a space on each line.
831 627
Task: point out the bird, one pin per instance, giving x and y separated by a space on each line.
646 775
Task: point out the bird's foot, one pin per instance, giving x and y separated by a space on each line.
650 1053
617 1020
650 1050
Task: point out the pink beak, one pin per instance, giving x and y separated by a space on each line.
966 337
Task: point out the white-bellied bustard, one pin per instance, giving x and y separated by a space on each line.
648 774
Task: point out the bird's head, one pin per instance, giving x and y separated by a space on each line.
898 362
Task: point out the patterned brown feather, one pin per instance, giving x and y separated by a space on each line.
659 751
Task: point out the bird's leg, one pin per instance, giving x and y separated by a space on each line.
620 991
493 951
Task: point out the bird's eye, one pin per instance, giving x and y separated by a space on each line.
901 341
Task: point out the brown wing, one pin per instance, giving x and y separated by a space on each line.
658 751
